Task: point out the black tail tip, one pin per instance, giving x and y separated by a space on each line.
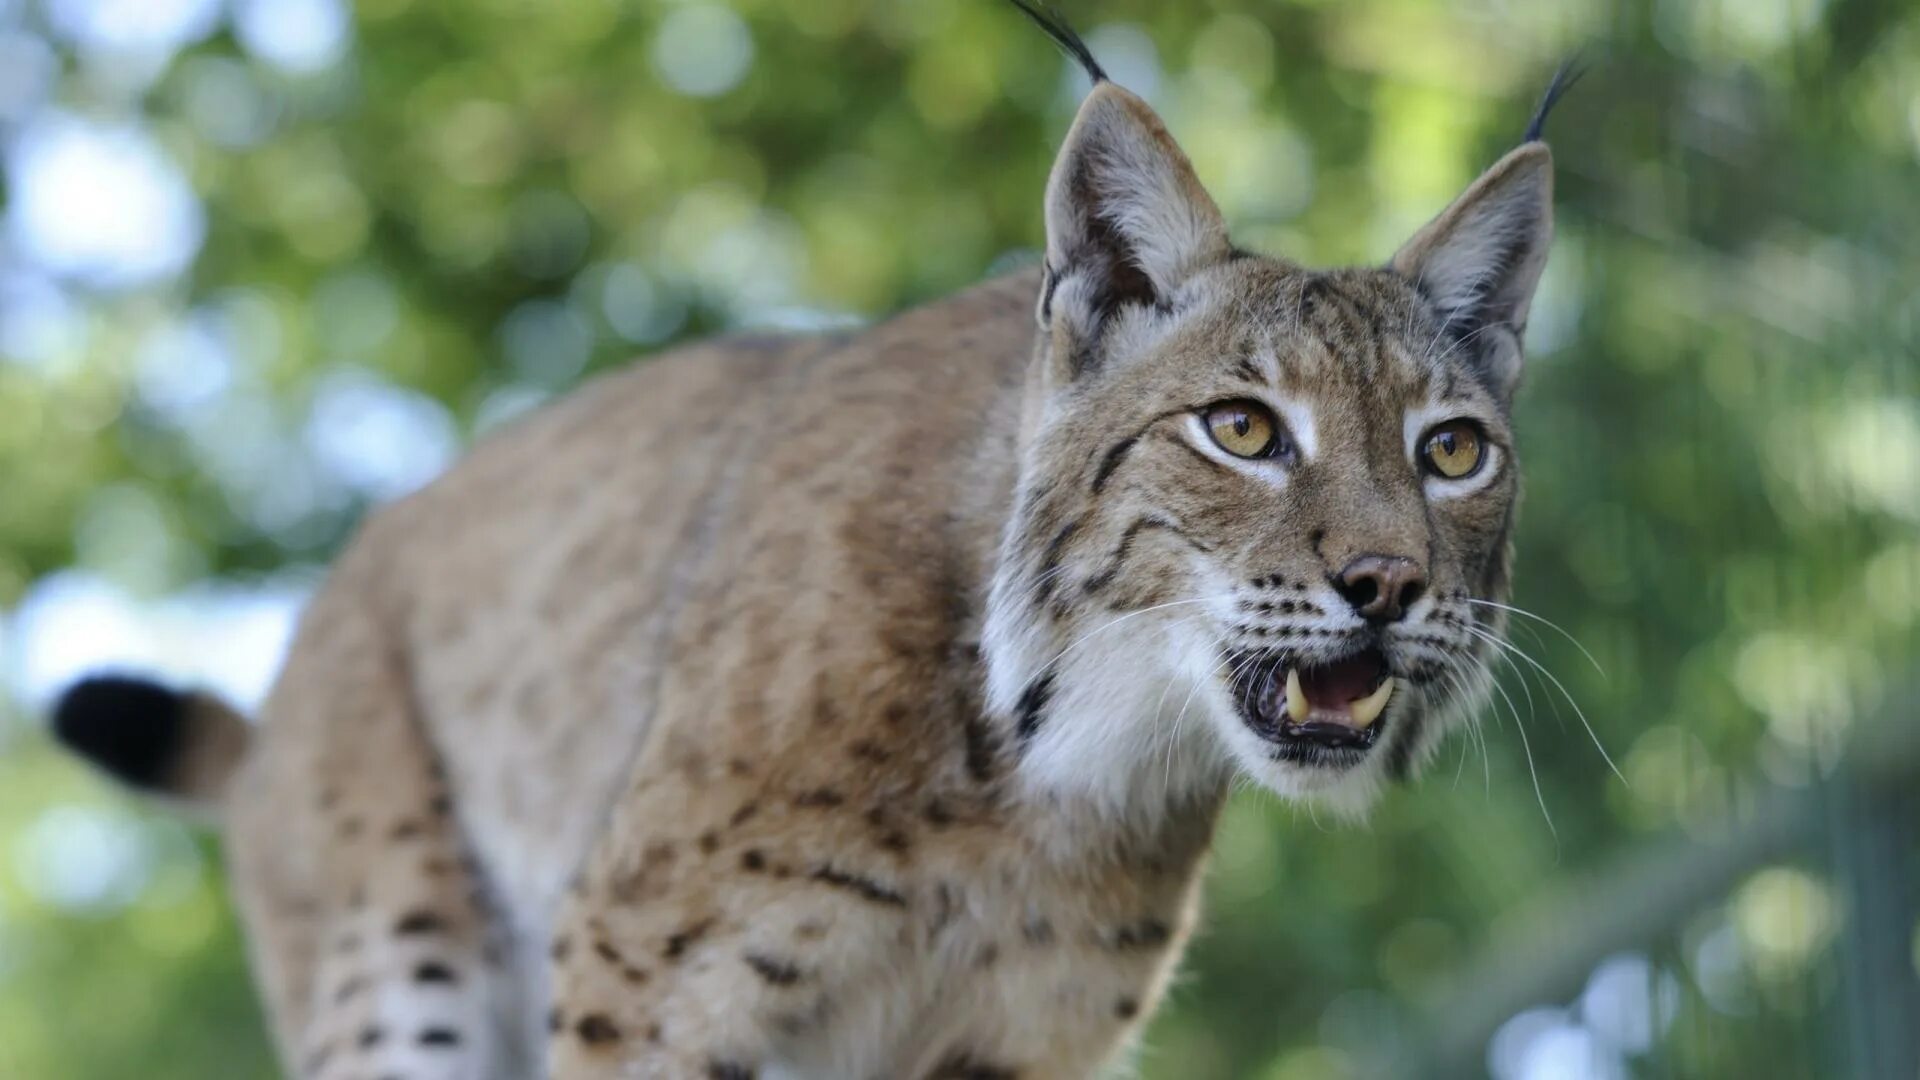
131 727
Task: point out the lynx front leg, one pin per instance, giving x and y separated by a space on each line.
713 950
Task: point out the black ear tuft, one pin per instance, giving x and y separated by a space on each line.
1571 69
1064 36
132 728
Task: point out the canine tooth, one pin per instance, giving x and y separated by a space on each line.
1369 708
1297 706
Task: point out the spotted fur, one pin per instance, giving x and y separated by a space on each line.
862 706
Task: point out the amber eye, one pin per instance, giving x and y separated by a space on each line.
1244 428
1453 450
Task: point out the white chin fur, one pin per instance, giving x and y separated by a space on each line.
1140 722
1125 735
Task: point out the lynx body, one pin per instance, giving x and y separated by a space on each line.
860 707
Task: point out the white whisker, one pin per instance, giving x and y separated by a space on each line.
1515 650
1526 747
1548 623
1538 795
1459 693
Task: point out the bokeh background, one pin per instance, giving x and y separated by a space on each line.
266 263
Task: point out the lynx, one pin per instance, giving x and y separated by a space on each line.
861 706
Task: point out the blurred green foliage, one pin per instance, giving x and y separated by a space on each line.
486 199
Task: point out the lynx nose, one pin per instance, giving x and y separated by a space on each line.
1381 587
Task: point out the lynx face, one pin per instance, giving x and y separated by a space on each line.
1264 511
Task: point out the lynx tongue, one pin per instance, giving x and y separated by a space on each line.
1352 691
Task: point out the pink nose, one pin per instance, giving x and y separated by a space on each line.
1381 587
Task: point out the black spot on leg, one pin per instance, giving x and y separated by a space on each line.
406 830
371 1036
438 1037
1126 1008
753 861
433 971
865 888
775 971
728 1070
685 938
607 952
822 798
419 922
596 1029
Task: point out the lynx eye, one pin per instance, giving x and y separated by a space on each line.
1453 450
1244 429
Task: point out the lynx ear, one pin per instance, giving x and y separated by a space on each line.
1127 220
1479 261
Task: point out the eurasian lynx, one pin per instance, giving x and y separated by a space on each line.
860 707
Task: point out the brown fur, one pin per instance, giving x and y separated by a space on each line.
786 708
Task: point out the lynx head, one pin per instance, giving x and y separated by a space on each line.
1263 511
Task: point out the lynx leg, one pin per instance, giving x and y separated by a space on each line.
370 926
704 939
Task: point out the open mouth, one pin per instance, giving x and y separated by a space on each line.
1308 710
